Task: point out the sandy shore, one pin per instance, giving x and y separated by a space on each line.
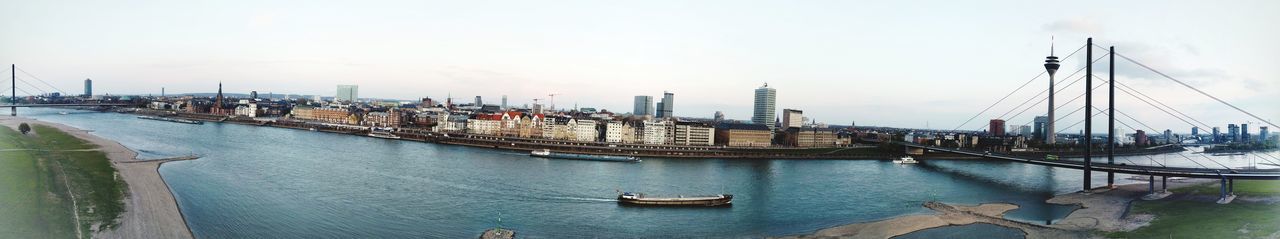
946 215
1103 210
150 210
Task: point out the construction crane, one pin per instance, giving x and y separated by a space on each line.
553 100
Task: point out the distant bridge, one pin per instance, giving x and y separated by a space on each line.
1268 174
63 105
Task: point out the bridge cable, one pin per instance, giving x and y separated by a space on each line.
1002 116
32 86
1006 96
41 81
1197 90
1134 129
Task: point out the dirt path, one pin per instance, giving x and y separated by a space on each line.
150 209
947 215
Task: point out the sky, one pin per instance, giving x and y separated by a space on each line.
886 63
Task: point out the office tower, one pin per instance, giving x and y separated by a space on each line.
765 101
1024 130
1195 131
1244 133
667 105
997 127
479 103
1233 133
643 105
719 116
1168 136
1217 136
504 102
1038 127
347 93
1140 138
1262 134
88 87
792 118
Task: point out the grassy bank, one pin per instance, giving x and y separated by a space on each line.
1206 219
1242 188
1199 219
42 172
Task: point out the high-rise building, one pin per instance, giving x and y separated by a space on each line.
792 118
1195 131
765 103
504 102
1038 127
997 127
643 105
1168 136
1140 138
719 116
479 102
88 87
1233 133
1024 130
347 93
1263 134
253 94
666 106
1244 133
1217 135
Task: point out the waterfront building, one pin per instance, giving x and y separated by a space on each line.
250 110
613 131
643 105
88 88
347 93
765 101
997 127
654 132
585 130
485 124
819 137
792 118
666 106
325 114
1168 136
1195 132
693 133
390 118
743 135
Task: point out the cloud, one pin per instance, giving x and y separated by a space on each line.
1077 25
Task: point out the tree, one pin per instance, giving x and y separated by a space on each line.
24 128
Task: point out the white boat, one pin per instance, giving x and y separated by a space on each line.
63 113
905 160
385 135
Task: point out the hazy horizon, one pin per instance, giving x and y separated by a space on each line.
891 64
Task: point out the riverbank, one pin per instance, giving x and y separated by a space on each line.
945 215
150 208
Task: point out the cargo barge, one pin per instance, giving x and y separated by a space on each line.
548 154
639 199
184 121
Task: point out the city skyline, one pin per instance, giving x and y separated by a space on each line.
729 61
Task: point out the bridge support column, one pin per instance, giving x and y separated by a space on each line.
1151 184
1224 197
1152 194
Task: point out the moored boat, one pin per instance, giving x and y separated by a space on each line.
385 135
184 121
548 154
905 160
639 199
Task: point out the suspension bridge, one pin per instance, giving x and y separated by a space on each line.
1206 167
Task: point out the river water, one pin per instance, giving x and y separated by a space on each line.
282 183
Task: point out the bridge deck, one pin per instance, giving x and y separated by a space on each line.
1271 174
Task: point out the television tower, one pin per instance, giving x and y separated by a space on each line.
1050 65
